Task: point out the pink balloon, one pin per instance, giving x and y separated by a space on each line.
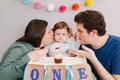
37 5
62 8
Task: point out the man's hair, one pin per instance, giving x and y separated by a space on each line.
92 20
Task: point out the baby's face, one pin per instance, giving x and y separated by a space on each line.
61 35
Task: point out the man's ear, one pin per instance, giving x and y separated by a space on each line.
93 33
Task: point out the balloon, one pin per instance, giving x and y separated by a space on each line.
50 7
26 1
89 2
75 6
37 5
62 8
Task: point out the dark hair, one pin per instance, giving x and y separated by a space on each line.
92 20
34 32
61 25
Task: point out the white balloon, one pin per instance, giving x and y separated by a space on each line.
50 7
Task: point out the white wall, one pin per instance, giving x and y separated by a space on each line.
14 16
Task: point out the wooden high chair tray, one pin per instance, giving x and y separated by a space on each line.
65 61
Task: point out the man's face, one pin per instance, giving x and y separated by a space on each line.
82 34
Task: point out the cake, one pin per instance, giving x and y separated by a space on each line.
58 58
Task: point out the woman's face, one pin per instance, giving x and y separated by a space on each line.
48 37
61 35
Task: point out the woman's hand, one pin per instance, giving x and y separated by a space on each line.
43 52
34 55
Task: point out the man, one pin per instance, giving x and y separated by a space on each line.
101 50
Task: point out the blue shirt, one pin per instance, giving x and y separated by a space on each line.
108 55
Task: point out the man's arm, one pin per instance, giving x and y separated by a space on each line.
117 77
101 71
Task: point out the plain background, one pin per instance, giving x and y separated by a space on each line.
14 16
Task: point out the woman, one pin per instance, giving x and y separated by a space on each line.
37 35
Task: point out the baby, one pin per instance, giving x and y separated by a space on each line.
63 42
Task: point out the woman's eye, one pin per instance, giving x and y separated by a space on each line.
50 31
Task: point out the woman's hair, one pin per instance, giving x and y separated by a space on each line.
92 20
34 32
61 25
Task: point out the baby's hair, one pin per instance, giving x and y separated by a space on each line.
61 25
